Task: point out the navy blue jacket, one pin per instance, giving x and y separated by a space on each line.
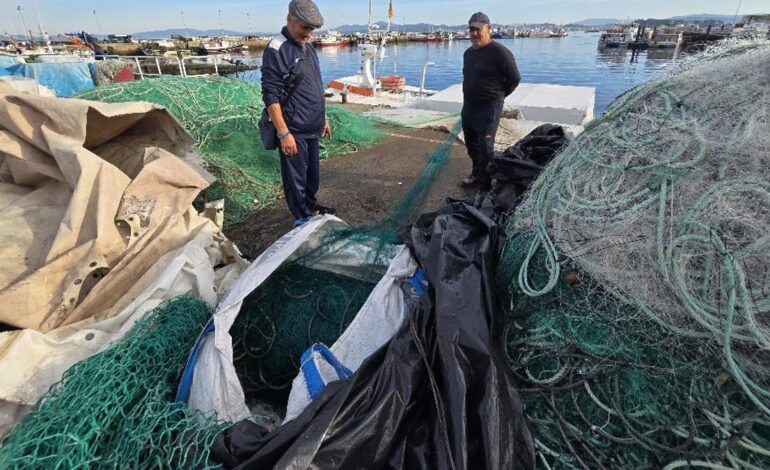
305 112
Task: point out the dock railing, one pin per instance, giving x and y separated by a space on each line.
159 61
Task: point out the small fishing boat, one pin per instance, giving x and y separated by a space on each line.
331 38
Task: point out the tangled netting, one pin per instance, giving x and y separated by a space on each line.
222 115
298 306
115 409
406 210
638 274
105 71
295 308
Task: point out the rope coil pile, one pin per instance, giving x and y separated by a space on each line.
637 272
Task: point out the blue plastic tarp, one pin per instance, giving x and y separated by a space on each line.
7 61
65 79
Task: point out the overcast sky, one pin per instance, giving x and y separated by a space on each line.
129 16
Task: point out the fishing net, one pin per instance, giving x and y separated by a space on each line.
294 309
115 410
222 115
406 210
300 304
105 71
637 273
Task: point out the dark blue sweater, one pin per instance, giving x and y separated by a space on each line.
489 74
281 63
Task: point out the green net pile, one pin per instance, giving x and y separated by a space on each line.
637 275
222 115
410 205
115 410
299 304
293 309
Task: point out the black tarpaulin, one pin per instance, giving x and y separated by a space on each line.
438 395
518 167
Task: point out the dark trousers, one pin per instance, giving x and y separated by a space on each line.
480 122
300 175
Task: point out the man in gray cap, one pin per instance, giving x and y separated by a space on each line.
293 93
489 75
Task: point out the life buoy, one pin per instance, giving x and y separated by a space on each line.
393 82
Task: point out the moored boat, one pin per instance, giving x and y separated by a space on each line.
331 38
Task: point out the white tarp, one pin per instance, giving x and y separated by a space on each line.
91 195
97 229
32 361
215 385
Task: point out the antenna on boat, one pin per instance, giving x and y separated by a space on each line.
184 25
221 25
24 23
735 18
43 31
370 14
39 19
98 26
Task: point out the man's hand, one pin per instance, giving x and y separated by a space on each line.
327 130
289 146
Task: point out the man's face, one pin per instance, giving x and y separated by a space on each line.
479 37
299 30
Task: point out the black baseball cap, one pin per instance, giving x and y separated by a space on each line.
478 20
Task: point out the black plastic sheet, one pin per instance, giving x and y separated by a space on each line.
438 395
518 167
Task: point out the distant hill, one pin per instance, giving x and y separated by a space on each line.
414 27
707 17
699 17
599 21
166 33
362 28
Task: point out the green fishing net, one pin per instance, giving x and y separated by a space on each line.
293 309
636 277
116 410
313 298
222 115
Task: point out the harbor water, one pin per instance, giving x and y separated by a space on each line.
573 60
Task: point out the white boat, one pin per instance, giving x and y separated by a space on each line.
559 33
615 39
752 26
331 38
664 38
541 33
217 46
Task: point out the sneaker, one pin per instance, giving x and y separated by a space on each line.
322 210
469 180
298 222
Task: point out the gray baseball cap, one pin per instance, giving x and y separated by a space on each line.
478 20
306 11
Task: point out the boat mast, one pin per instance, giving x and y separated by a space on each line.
24 24
370 15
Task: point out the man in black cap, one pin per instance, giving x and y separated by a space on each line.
293 93
489 75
